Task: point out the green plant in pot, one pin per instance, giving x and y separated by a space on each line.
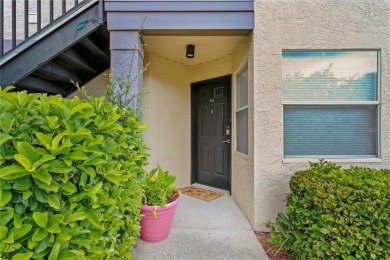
160 202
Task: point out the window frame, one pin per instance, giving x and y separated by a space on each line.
377 103
237 109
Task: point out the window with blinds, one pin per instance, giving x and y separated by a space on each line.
330 103
242 110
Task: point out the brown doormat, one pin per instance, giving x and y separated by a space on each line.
199 193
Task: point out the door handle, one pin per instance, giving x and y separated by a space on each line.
227 141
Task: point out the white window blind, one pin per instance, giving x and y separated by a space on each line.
330 103
242 111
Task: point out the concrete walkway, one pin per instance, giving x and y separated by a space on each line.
205 230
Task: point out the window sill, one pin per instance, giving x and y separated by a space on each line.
335 160
242 155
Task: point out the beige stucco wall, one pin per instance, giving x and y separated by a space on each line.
167 109
242 165
302 24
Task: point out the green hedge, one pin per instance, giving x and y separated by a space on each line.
68 178
336 213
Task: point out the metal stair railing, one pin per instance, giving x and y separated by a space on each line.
17 20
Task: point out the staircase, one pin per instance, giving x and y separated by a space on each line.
73 47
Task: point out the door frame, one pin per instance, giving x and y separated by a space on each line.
194 131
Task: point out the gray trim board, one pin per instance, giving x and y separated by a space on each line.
227 32
169 6
180 20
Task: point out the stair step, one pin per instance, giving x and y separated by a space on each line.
75 60
57 72
93 49
39 84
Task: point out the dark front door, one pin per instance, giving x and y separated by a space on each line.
211 124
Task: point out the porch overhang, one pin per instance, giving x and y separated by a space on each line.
181 17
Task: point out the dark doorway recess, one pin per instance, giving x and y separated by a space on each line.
211 132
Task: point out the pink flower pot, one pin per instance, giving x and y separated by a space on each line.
156 228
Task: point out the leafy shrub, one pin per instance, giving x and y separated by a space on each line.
68 178
159 187
336 213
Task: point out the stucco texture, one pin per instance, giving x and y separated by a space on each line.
303 24
242 165
166 110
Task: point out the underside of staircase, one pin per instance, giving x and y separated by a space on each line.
74 48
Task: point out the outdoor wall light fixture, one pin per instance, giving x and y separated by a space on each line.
190 52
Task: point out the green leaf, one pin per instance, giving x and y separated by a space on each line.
3 232
18 220
354 214
95 189
116 179
20 208
5 197
13 172
53 187
80 107
26 100
5 217
56 141
70 255
43 159
39 234
28 151
22 185
53 201
52 120
10 238
89 170
42 245
11 98
41 219
42 175
56 219
68 187
55 228
22 256
94 160
93 218
58 166
4 138
81 241
76 216
39 195
63 236
82 131
27 194
69 126
20 232
44 139
95 234
76 156
61 149
55 251
24 161
56 103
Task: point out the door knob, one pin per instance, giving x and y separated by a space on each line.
227 141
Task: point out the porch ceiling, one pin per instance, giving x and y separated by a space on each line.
206 47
